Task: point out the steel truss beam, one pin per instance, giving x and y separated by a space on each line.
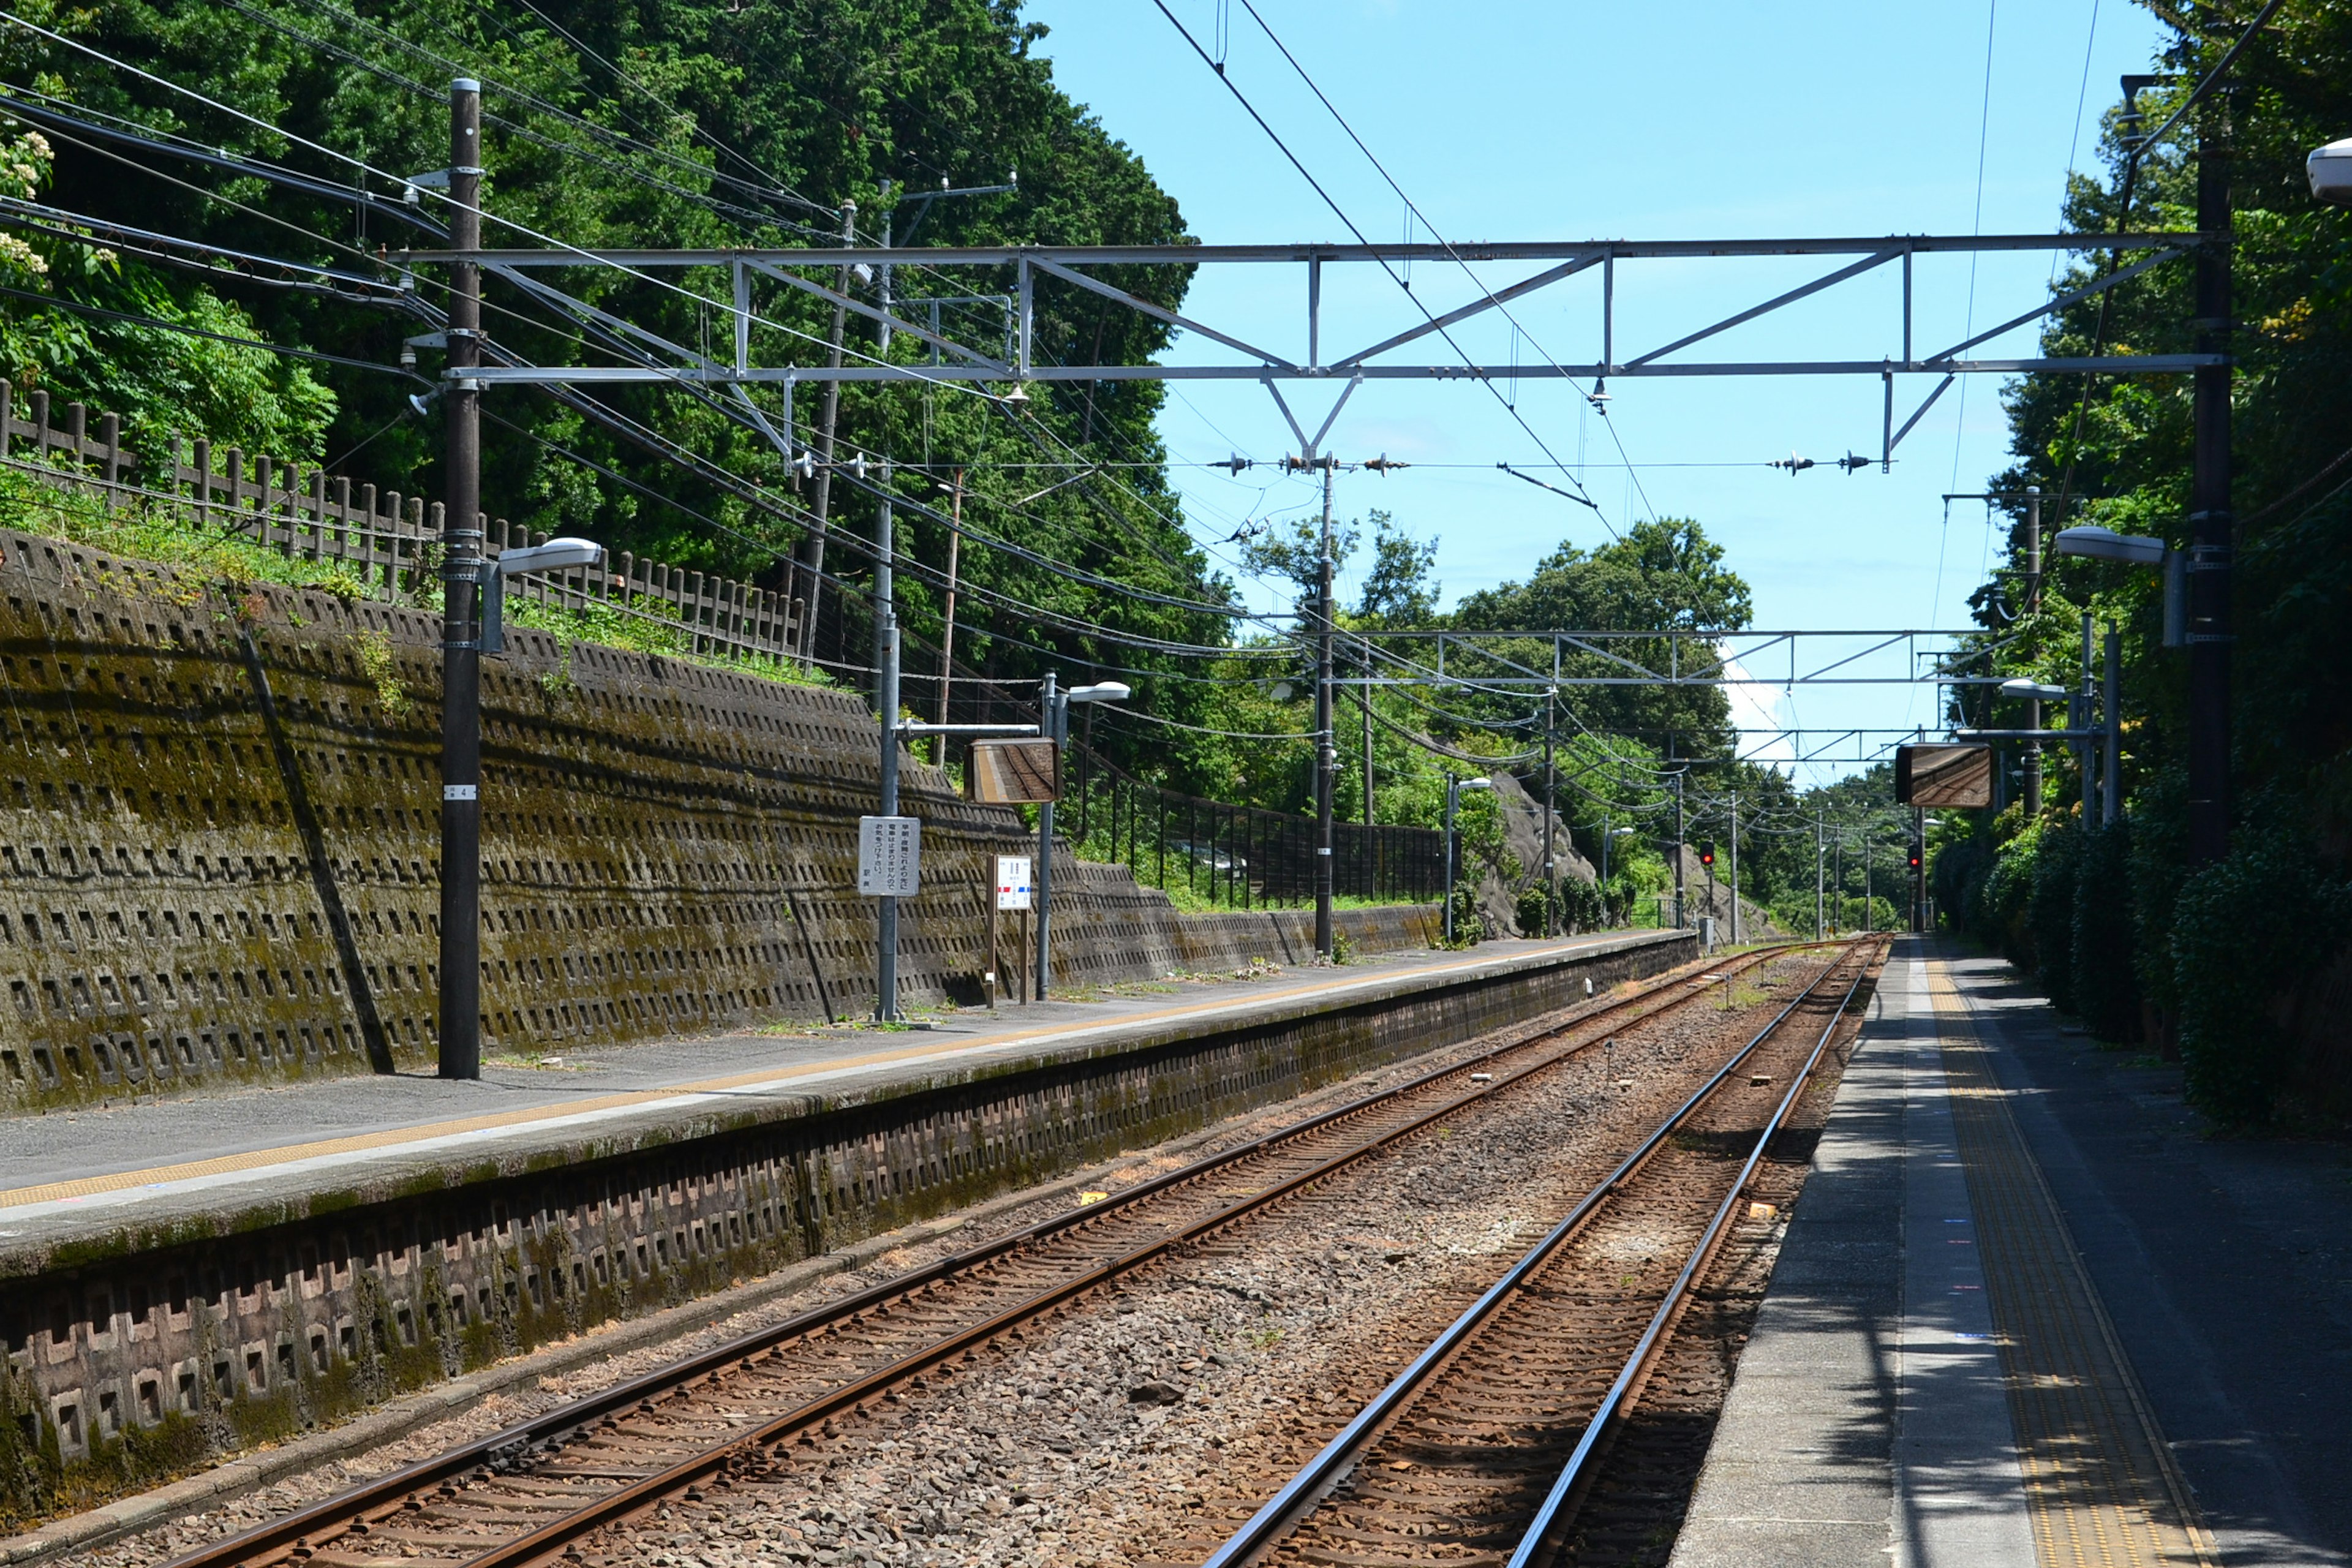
1061 264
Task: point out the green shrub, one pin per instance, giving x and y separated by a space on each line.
2242 931
2049 913
2100 958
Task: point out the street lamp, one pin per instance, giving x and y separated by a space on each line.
555 555
460 1051
1056 708
1453 788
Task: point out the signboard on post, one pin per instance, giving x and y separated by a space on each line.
1010 773
1012 882
1943 776
889 857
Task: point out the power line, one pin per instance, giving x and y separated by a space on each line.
1243 99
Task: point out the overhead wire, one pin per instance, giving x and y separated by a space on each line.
1317 185
1499 305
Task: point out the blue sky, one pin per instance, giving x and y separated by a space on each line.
1579 121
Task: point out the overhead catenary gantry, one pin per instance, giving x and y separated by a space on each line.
948 361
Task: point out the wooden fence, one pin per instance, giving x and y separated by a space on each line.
381 537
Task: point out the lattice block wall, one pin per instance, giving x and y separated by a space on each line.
218 831
219 820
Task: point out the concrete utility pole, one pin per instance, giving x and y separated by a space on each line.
1551 864
1680 921
2033 605
1820 863
1327 753
1735 867
812 547
2111 795
1051 717
2085 751
460 1051
886 705
947 634
2211 526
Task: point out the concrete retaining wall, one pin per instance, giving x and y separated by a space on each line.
135 1354
219 823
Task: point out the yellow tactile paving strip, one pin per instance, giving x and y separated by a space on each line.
2101 1488
773 1076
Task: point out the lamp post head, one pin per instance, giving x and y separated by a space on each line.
555 555
1101 691
1478 783
2330 168
2106 544
2034 688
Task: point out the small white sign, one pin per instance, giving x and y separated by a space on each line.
889 857
1013 881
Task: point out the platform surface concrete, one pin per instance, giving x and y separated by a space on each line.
77 1172
2030 1313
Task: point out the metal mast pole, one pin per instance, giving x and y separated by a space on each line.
2085 751
812 547
1327 754
886 705
1679 912
1051 711
1820 863
2111 794
2033 605
1550 862
461 641
2210 524
947 634
1735 867
1450 796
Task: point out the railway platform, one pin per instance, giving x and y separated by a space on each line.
2028 1315
231 1159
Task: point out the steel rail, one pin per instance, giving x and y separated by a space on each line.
553 1427
1288 1507
1575 1478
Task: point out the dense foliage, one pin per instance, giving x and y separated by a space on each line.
710 124
2115 918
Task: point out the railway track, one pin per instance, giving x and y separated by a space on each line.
543 1489
1484 1448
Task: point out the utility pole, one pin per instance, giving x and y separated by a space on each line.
947 635
886 704
1820 861
1364 703
1837 880
1050 715
460 1051
1327 753
2211 527
1680 921
2085 753
2033 605
812 547
1869 909
1550 865
2111 794
1735 867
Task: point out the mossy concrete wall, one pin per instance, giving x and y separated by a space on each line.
219 820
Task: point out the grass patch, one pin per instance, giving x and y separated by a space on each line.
154 529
